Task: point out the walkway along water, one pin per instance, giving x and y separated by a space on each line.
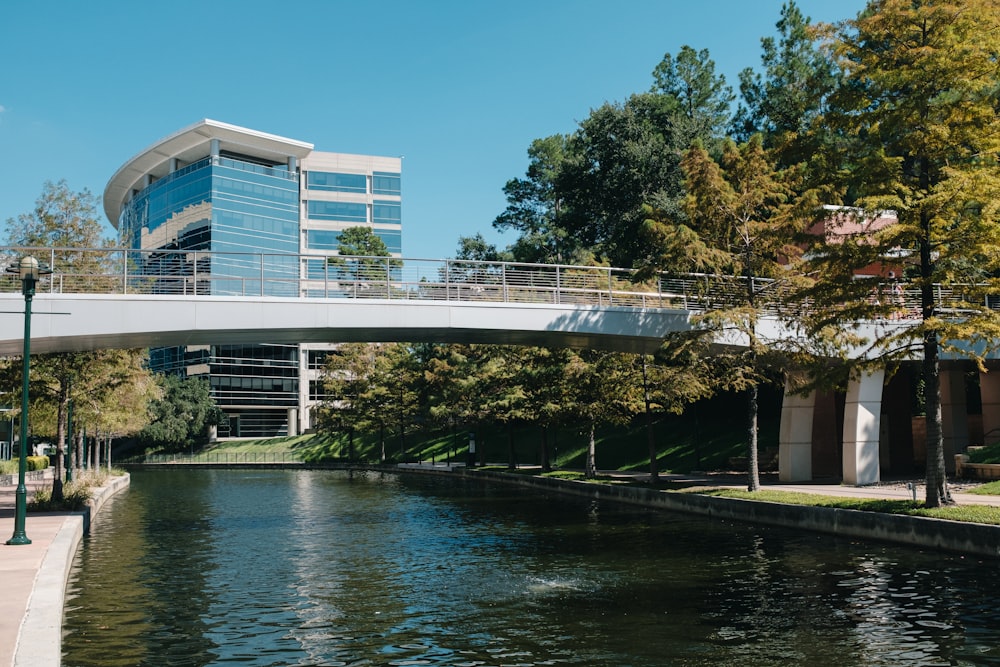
33 577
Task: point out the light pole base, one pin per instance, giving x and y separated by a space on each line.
17 540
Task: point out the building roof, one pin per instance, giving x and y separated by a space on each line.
188 145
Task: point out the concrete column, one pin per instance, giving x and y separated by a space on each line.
214 148
795 435
862 415
293 164
954 415
989 389
173 165
293 421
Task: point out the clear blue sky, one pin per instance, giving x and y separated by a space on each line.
458 87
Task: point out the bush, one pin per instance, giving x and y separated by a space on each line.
75 497
37 462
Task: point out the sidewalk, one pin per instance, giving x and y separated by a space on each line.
33 578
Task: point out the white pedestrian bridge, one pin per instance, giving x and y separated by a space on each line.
125 299
115 298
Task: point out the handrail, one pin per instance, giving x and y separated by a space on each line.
246 274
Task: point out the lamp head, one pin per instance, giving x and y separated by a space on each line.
28 268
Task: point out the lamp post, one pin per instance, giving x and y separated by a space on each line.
28 271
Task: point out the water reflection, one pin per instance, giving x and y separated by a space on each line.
319 568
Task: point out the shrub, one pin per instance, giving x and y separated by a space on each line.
37 462
75 497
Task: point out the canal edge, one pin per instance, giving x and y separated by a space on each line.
972 539
39 639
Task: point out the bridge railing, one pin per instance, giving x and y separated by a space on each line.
242 274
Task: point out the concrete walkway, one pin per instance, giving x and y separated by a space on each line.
33 577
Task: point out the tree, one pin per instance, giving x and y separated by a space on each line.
360 261
347 380
605 388
739 231
919 102
534 206
701 97
66 222
181 417
784 102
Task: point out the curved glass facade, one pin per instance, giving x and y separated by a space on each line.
252 212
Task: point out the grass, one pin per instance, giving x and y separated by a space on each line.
970 513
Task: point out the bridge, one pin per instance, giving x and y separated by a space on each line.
119 298
99 298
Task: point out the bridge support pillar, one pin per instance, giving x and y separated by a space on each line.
989 390
954 415
862 416
795 434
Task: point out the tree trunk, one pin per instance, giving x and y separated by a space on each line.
753 477
61 422
591 454
654 464
937 481
511 456
544 453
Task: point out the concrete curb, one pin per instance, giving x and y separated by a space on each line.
39 641
975 539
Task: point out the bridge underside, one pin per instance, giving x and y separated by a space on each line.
79 322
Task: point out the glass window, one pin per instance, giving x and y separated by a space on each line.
323 239
386 211
385 183
323 180
337 210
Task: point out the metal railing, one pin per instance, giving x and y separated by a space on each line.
204 273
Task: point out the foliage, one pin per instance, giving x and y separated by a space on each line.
917 110
36 462
74 498
180 417
360 250
987 454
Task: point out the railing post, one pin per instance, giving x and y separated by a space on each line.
447 280
124 272
611 292
261 256
194 277
558 294
503 277
388 291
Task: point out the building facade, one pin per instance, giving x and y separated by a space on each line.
242 195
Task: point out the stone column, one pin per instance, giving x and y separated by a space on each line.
954 415
293 421
862 415
989 389
795 435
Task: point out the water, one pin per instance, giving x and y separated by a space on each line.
204 567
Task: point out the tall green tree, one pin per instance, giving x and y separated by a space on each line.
535 205
784 101
739 231
363 258
700 96
66 223
181 417
920 100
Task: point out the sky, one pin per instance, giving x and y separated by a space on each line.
459 89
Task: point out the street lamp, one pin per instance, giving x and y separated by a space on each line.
28 271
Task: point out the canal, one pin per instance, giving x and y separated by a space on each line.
243 567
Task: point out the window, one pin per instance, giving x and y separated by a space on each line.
386 212
322 239
337 210
385 183
323 180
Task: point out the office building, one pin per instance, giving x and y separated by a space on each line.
238 193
